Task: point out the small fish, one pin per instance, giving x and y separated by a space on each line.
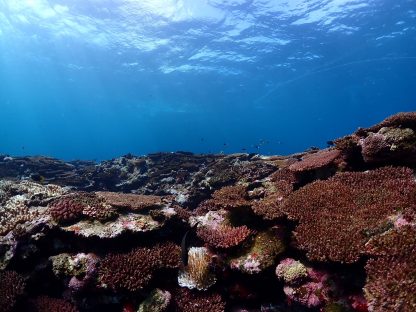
184 246
184 249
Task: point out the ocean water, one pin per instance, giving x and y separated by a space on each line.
96 79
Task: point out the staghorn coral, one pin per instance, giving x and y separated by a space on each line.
72 207
338 216
215 229
197 274
12 285
224 236
189 301
134 270
48 304
391 273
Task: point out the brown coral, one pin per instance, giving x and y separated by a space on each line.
391 274
224 236
12 285
134 270
189 301
48 304
338 216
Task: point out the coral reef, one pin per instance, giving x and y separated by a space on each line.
338 216
134 270
322 230
391 274
12 286
158 301
187 301
48 304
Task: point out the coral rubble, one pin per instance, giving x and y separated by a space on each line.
323 230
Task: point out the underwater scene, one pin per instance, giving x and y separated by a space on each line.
208 155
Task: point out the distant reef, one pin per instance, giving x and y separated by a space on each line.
330 230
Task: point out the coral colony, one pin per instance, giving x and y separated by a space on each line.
324 230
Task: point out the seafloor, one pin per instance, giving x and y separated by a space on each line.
323 230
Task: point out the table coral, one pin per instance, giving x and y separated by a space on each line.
338 216
391 272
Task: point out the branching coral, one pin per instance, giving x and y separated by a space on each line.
66 209
48 304
274 195
134 270
338 216
12 285
224 236
73 206
391 273
190 301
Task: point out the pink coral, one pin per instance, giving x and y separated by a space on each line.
224 236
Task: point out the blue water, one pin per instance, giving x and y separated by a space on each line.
95 79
